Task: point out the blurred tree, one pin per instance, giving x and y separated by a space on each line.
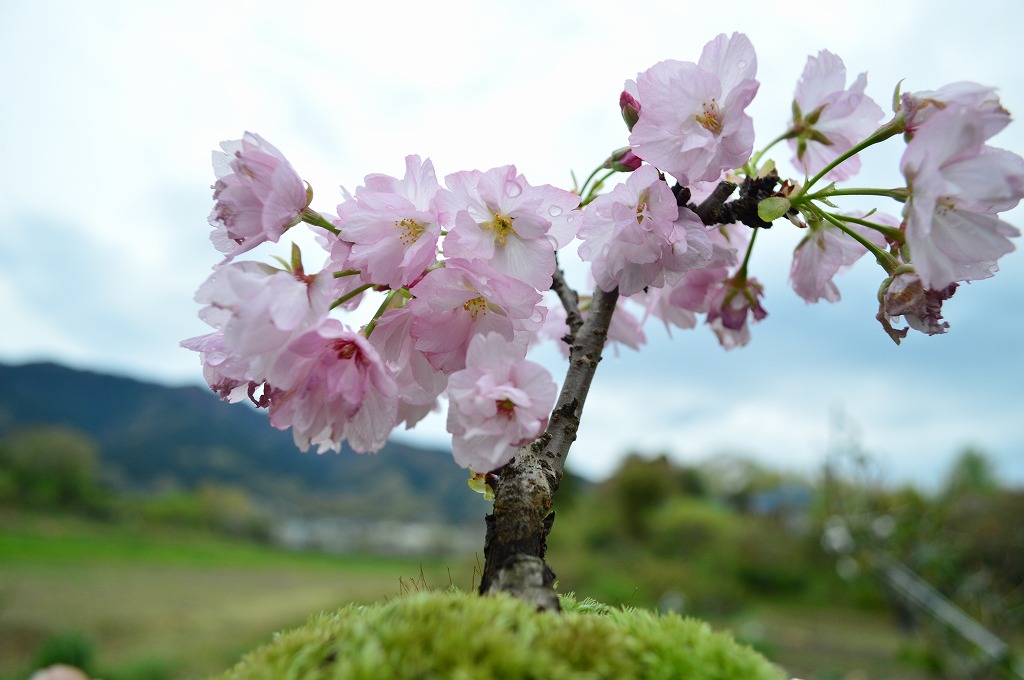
51 467
972 472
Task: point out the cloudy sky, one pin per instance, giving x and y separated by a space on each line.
109 111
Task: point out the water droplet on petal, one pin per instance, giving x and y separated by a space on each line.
741 64
571 218
512 189
555 211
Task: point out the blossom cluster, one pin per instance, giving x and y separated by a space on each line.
460 269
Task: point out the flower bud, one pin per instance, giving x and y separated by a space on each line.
630 109
623 160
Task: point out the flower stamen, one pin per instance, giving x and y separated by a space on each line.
476 306
710 117
501 225
411 231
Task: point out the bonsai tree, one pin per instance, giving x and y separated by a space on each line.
465 276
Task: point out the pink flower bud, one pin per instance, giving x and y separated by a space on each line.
630 108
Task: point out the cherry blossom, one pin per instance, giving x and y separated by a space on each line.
692 123
393 225
636 236
830 118
330 385
261 308
827 250
957 187
226 374
497 403
729 307
463 299
497 216
918 107
258 195
419 383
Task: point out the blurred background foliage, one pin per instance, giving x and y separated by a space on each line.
179 582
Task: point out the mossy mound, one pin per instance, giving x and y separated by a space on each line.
456 635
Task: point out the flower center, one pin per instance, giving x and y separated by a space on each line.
475 306
710 117
944 205
506 407
501 225
641 206
411 231
345 349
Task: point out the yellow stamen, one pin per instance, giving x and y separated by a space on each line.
709 119
411 231
501 225
475 306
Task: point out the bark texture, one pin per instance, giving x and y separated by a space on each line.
518 528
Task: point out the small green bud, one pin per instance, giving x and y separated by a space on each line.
772 208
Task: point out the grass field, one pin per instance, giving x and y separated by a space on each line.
189 604
183 600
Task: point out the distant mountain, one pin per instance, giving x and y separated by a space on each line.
153 437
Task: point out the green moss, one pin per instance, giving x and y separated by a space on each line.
461 636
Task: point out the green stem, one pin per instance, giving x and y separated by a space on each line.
741 274
894 127
756 158
884 259
590 196
891 233
380 311
351 294
900 194
346 272
589 177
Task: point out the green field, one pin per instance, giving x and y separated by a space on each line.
186 601
189 604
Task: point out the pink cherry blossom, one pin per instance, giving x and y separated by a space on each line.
393 225
692 123
330 385
259 307
825 251
497 403
678 304
832 118
227 375
497 216
419 383
258 195
463 299
957 185
918 107
730 305
636 236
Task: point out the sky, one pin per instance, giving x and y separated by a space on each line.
109 111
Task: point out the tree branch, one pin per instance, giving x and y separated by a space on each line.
518 528
570 301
